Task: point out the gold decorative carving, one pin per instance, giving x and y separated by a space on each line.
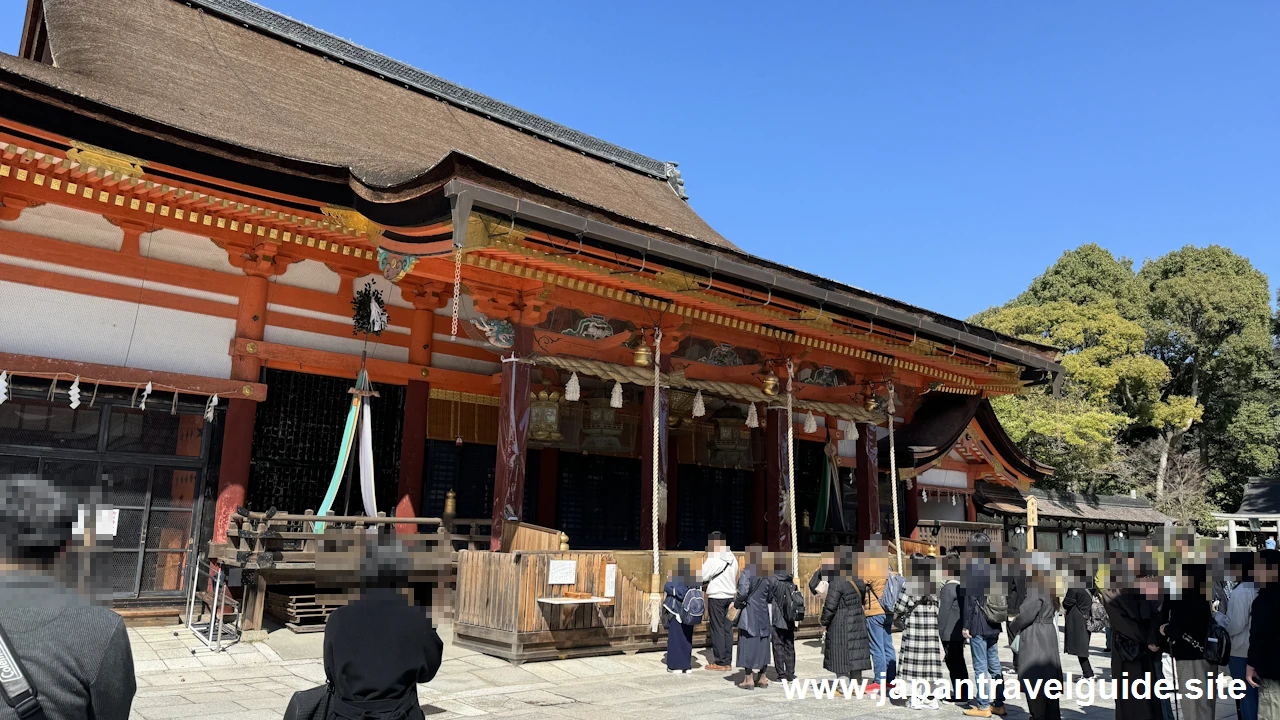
352 221
104 159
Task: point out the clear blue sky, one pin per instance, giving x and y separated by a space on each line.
940 153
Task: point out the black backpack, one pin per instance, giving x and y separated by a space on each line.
1217 649
790 602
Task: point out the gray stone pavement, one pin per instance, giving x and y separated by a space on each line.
253 681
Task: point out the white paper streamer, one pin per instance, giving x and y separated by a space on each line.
209 406
366 463
572 390
74 393
753 419
810 423
4 386
142 404
615 400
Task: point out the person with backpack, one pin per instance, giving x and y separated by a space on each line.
754 627
1185 620
921 656
683 608
786 609
985 612
846 645
1078 605
1236 616
883 588
950 606
720 575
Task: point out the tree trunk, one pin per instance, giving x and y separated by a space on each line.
1163 468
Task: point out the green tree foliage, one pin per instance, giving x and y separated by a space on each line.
1178 355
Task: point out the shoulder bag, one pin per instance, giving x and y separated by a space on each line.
15 683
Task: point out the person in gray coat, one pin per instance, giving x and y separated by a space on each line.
1037 638
76 653
950 605
755 587
846 647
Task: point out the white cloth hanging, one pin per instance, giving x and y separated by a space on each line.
366 463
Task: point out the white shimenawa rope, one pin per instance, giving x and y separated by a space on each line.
893 481
655 597
791 478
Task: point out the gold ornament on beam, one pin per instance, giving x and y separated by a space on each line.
92 156
353 221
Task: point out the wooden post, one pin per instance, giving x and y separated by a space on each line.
777 526
867 482
1033 519
413 438
513 440
237 437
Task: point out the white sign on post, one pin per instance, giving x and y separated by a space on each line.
610 580
562 572
108 520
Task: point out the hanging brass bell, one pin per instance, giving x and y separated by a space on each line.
642 356
769 383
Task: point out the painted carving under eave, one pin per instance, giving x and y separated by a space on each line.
498 333
395 266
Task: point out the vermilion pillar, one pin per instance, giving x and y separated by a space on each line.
413 438
646 467
237 438
513 441
867 481
777 520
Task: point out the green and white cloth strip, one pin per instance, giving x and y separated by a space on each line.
347 433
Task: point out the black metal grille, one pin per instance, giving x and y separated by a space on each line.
36 423
124 571
598 501
710 499
467 470
297 435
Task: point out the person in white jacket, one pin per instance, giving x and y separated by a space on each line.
1236 618
720 573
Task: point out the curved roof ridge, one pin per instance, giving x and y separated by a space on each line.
270 22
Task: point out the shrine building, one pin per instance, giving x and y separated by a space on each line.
192 194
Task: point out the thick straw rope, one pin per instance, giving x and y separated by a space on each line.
791 478
893 482
655 597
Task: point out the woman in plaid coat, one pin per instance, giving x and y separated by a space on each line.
920 656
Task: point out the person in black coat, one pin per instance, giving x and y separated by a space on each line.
1263 669
950 606
1135 639
1185 622
379 647
1078 604
1038 658
1015 577
846 648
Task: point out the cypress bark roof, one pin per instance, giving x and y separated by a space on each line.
202 73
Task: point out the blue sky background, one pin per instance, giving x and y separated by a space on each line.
935 152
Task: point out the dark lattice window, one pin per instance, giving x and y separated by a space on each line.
296 438
711 499
598 501
467 470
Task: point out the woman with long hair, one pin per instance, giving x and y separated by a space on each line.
920 655
846 647
1037 639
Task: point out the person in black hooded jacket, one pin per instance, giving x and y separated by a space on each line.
379 647
1263 670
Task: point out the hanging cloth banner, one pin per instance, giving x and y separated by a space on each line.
366 464
340 468
820 520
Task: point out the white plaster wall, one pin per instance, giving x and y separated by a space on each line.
64 223
461 364
330 343
186 249
938 477
309 275
83 328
